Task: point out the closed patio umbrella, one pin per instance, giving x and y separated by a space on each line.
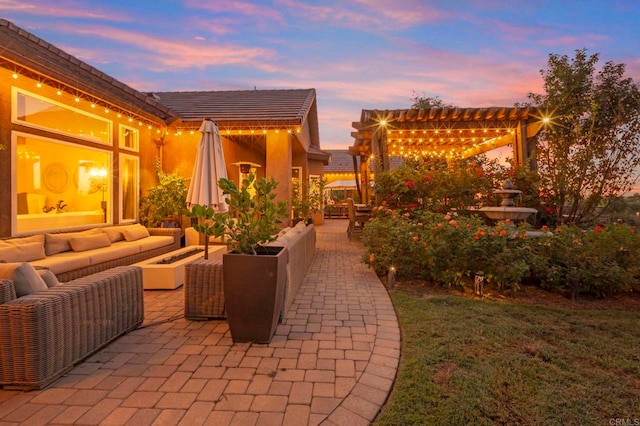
209 167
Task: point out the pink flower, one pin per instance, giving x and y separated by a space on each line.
415 238
410 184
427 178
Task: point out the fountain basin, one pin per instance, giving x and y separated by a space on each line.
511 213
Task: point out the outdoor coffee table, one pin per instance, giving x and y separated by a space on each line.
169 276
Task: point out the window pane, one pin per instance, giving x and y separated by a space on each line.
36 111
129 137
60 185
129 172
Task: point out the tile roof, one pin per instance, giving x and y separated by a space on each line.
341 161
36 57
239 108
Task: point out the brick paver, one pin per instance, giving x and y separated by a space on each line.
332 361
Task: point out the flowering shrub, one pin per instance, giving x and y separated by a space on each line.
413 231
600 261
444 249
433 185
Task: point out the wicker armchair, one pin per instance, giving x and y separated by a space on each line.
43 335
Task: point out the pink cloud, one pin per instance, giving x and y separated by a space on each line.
368 15
159 53
238 7
60 9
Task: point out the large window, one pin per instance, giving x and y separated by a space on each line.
129 187
59 185
39 112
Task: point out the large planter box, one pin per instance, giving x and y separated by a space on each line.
254 289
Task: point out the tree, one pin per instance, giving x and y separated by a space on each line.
424 102
589 152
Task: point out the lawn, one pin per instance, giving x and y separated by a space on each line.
472 361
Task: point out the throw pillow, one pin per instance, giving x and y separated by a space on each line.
22 253
89 242
25 278
48 277
135 232
114 232
24 240
59 243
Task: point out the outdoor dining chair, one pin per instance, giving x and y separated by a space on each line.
356 219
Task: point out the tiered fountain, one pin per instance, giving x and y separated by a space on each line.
507 208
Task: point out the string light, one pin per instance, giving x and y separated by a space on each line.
40 83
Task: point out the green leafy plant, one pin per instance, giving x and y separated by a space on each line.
166 201
204 224
307 200
255 215
587 154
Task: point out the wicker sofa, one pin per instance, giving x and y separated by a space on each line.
300 240
44 334
74 254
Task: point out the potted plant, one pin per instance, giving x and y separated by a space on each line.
165 203
254 274
306 201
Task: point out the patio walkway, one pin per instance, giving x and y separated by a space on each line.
333 361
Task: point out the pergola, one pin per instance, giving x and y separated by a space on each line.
439 132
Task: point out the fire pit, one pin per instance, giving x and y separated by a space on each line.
166 272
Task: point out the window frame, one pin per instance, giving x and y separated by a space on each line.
121 159
121 129
14 117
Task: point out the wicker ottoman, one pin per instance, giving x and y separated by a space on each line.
203 290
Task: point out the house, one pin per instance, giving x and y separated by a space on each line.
81 147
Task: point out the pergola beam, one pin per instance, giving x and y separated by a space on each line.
444 132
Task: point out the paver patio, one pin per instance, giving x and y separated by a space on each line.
332 361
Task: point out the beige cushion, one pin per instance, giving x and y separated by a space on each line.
59 243
135 232
284 230
115 232
64 262
22 252
48 277
24 240
25 278
89 242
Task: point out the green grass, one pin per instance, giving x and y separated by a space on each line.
482 362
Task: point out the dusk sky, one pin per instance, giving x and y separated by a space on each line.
358 54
